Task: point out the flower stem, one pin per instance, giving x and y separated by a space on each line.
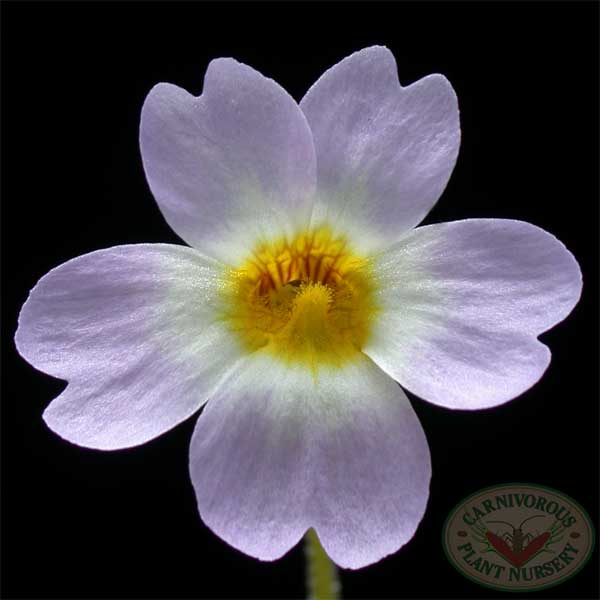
322 579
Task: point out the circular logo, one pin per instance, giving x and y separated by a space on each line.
518 537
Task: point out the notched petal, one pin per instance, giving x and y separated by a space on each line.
230 165
384 152
278 452
133 331
463 304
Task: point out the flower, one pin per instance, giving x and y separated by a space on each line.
305 295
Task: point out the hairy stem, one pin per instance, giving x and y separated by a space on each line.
322 579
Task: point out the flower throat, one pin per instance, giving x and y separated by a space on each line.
308 300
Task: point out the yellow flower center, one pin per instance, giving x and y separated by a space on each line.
309 300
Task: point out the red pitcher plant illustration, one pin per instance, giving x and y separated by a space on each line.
515 545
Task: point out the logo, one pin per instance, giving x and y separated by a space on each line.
518 537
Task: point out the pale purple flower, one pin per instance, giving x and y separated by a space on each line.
305 295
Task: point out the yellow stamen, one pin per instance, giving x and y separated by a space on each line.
308 300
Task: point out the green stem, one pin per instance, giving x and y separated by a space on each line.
322 578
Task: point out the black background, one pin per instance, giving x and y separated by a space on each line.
86 524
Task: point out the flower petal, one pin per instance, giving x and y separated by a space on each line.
463 303
132 328
230 165
384 152
278 451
